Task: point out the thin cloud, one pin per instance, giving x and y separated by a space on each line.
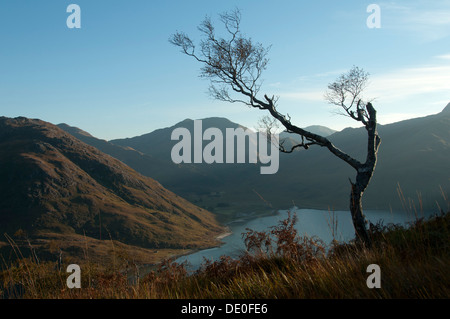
310 88
400 84
443 57
404 83
418 19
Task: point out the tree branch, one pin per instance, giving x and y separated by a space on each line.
238 64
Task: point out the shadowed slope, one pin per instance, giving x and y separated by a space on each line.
54 186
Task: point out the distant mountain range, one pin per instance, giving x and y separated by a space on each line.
59 193
62 189
413 162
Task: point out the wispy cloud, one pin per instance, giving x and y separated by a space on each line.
409 82
426 21
443 56
397 85
309 87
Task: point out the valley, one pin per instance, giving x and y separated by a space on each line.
65 191
412 168
61 196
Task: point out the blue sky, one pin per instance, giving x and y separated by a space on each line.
118 76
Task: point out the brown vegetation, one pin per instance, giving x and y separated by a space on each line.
278 264
58 194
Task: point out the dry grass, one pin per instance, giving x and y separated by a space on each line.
414 263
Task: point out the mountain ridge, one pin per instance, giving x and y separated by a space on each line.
412 155
57 188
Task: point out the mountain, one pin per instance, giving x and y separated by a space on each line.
158 143
63 193
321 130
316 129
211 186
145 164
288 140
413 155
446 110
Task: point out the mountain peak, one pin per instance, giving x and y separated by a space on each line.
446 109
73 130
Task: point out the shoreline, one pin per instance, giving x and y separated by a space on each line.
228 232
174 257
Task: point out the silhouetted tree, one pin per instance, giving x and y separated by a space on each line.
234 66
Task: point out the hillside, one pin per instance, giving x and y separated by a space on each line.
289 140
413 154
150 154
156 142
62 194
145 164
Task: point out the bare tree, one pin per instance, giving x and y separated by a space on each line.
234 66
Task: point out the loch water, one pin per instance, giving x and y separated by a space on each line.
326 225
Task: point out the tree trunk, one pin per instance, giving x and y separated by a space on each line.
359 221
363 177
